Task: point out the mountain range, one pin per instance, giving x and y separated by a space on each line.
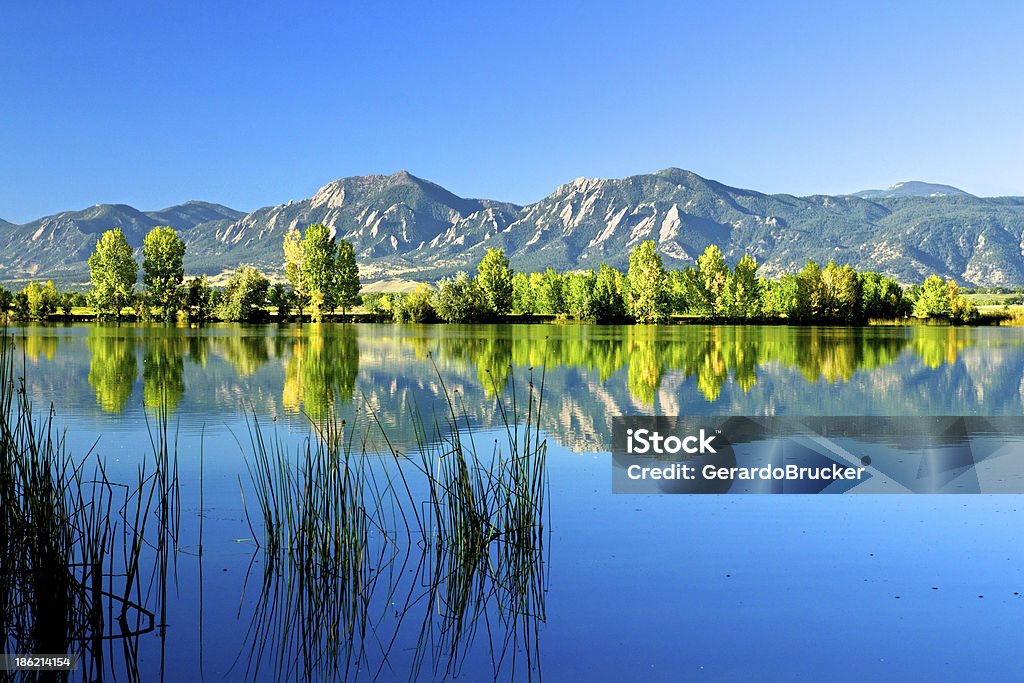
405 227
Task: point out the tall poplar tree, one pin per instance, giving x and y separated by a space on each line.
163 254
113 272
646 278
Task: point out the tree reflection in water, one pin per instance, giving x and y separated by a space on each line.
321 362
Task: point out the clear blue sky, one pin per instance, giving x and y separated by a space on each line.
252 104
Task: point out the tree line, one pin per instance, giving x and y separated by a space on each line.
323 276
648 293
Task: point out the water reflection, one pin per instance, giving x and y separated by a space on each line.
321 369
112 368
163 369
592 371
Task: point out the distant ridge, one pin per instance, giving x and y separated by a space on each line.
913 188
409 228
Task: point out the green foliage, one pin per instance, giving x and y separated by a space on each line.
494 277
347 277
417 307
6 302
882 297
524 299
244 296
779 297
609 295
579 289
743 290
685 293
40 302
548 292
712 279
293 256
646 277
933 300
66 302
963 311
280 297
319 258
163 255
808 303
460 300
938 299
378 305
113 272
141 308
841 297
199 300
324 274
20 308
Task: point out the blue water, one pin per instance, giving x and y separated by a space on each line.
636 587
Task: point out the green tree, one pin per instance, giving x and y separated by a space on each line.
113 272
6 302
163 271
244 296
417 307
646 277
523 297
779 297
939 299
323 273
319 257
961 310
933 300
712 278
494 277
579 295
199 303
881 297
547 287
293 257
744 290
842 298
281 299
20 308
42 301
808 304
66 303
460 300
347 277
609 295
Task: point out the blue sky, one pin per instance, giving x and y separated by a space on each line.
257 103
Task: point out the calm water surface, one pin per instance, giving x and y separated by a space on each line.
635 587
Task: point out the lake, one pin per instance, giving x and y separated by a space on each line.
624 587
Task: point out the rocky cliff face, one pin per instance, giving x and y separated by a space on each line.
401 225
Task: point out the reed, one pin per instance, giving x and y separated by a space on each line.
317 521
61 526
329 518
486 533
